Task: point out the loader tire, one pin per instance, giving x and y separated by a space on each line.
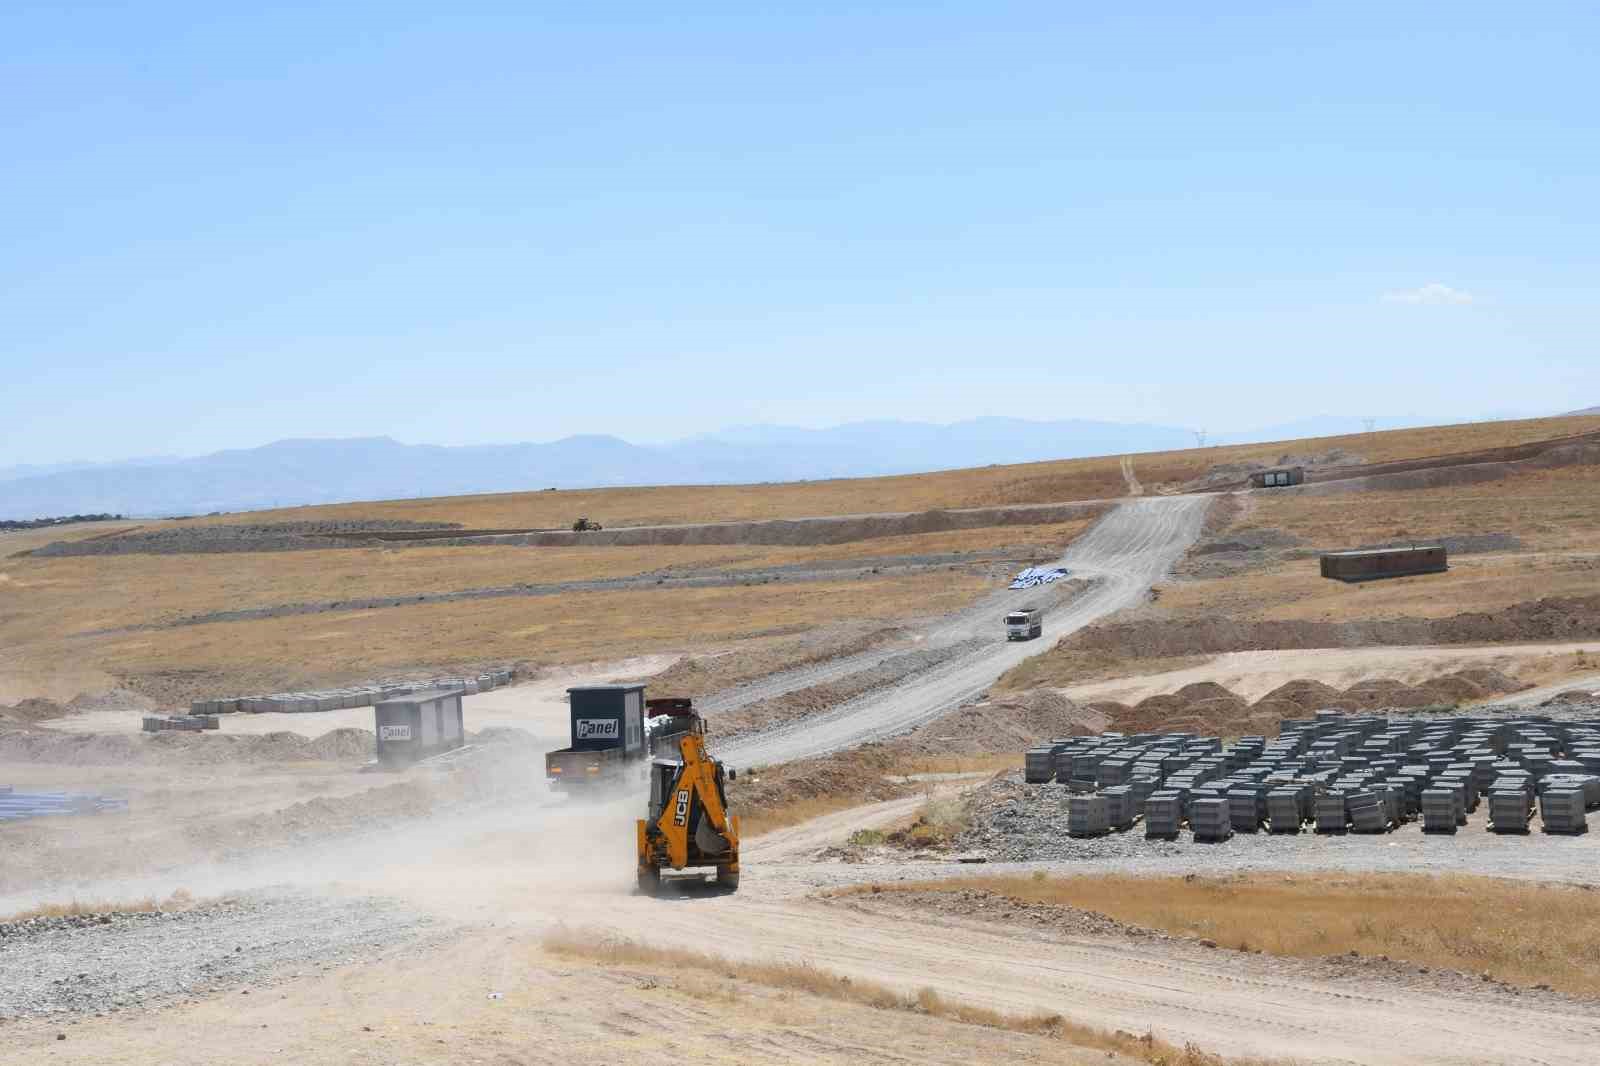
728 878
649 881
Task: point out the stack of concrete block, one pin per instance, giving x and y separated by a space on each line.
1561 810
1509 810
1163 816
1210 819
1086 816
1120 801
1039 764
1247 807
1439 807
188 723
1369 812
1283 810
1332 815
1588 784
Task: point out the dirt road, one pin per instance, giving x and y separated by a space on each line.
1123 554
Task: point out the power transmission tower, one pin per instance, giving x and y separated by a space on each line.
1200 438
1368 423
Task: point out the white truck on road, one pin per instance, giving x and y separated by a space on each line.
1025 623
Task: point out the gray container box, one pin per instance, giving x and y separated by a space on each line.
419 725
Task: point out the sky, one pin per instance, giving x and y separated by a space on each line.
485 222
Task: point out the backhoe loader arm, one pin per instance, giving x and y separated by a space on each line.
696 790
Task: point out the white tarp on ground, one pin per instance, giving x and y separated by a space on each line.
1034 576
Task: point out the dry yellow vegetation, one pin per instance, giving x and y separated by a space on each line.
1049 482
50 605
1519 932
272 653
808 980
1554 513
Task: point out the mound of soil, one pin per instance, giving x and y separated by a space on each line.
1555 618
116 699
1211 709
1306 694
32 711
1005 724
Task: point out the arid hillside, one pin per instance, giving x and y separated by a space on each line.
162 610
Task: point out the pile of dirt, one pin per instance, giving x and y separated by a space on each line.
1005 723
116 699
1555 618
1211 709
861 773
31 712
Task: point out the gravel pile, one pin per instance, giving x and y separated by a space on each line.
102 963
1010 821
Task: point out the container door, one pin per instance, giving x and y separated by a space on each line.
633 721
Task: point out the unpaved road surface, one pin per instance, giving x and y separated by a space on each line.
1123 554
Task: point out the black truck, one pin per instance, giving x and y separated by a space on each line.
609 737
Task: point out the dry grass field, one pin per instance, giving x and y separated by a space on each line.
275 653
51 606
1522 932
1554 513
1051 482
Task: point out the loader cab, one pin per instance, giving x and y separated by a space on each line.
663 772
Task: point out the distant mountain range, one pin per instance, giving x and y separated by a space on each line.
296 472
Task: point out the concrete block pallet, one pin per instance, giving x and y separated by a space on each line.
1163 816
1340 772
1509 811
1086 816
1562 811
1210 820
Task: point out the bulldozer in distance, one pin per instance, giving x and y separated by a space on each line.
583 525
687 825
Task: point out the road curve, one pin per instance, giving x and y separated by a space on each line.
1123 554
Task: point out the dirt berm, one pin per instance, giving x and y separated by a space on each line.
1550 619
800 532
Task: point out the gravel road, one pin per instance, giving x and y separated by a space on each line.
1123 554
96 963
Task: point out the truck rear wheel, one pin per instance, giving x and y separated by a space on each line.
649 881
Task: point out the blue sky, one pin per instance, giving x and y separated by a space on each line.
520 221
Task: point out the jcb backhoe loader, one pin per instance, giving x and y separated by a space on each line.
689 826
